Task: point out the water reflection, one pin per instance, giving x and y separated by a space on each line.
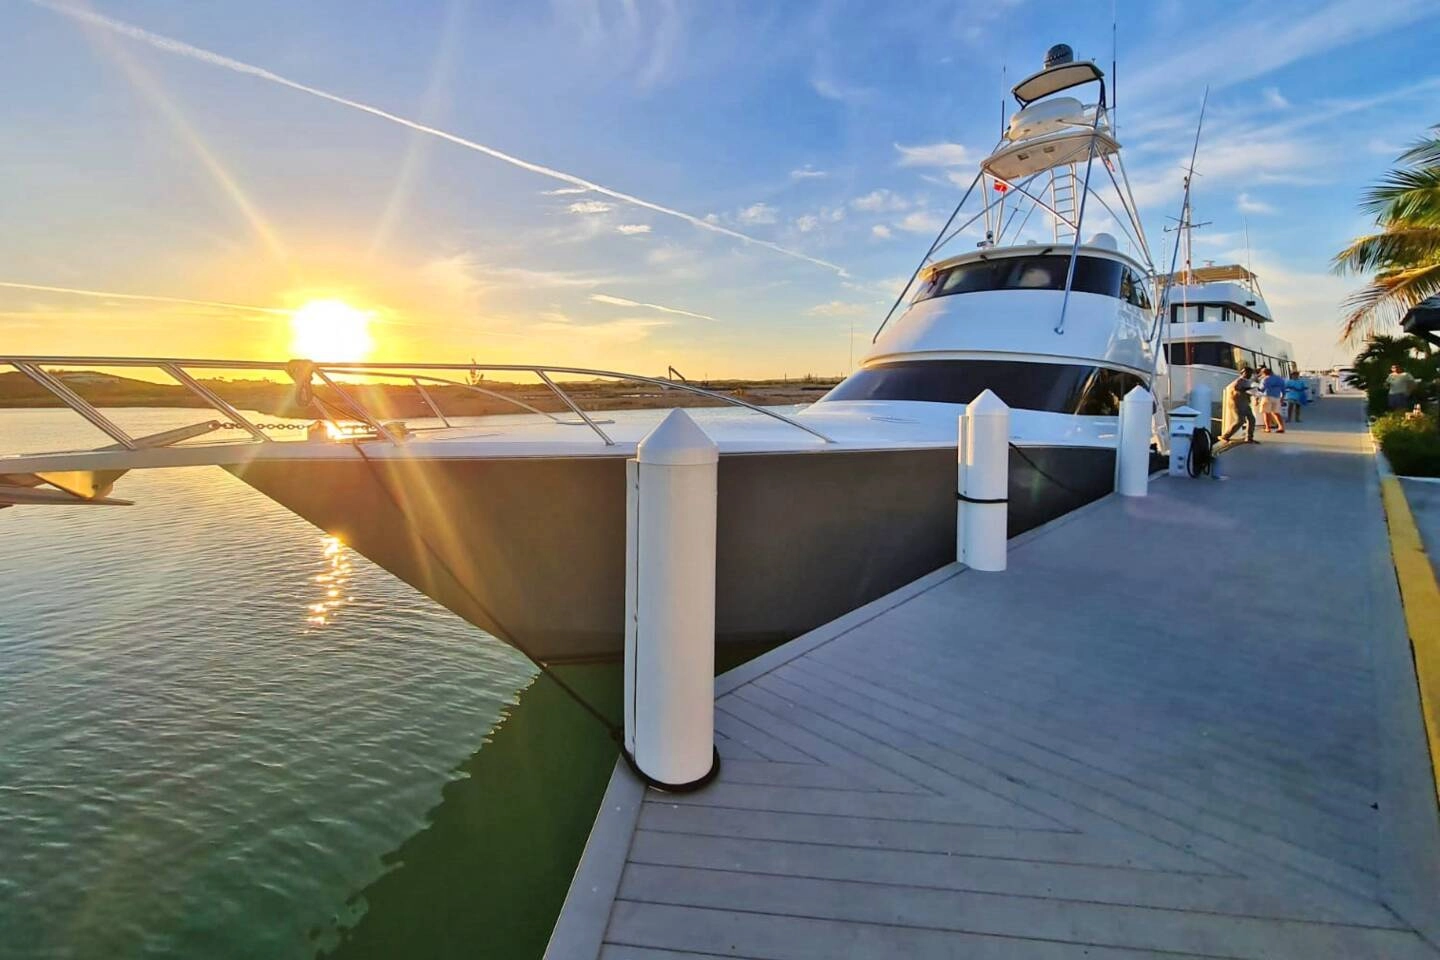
334 583
490 870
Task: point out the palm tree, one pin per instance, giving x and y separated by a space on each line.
1405 255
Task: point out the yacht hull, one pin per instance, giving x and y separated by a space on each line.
533 549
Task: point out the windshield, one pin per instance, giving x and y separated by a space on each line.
1054 387
1108 278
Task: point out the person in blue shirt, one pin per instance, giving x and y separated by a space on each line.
1272 389
1297 394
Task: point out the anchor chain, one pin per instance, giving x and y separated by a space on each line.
268 426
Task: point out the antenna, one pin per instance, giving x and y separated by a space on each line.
1114 74
1182 230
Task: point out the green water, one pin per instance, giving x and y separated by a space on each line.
488 875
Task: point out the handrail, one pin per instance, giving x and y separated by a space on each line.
31 367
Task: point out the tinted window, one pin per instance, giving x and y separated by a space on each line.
1212 354
1092 275
1056 387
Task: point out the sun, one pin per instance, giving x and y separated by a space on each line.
330 330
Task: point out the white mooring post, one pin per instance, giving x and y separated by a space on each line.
670 603
982 511
1132 446
1202 398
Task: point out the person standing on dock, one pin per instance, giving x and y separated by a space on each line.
1296 396
1401 385
1237 395
1272 389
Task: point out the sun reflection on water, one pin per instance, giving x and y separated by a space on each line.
333 583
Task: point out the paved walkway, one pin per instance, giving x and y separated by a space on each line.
1184 725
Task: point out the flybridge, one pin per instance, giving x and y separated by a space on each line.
1057 157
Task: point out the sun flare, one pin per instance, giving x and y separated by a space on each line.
330 330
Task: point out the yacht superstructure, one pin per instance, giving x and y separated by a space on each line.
520 527
1218 323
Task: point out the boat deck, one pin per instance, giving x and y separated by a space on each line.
1184 725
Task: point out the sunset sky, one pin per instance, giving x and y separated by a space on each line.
770 173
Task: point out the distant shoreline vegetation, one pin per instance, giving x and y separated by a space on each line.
401 401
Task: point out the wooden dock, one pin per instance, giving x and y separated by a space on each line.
1184 725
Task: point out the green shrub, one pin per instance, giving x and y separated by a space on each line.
1377 400
1411 445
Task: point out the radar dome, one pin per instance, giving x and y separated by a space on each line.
1105 241
1058 54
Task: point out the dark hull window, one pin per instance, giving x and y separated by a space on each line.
1211 354
1054 387
1092 275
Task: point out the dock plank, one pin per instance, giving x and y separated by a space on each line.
1139 741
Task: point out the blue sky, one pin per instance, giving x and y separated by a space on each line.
834 134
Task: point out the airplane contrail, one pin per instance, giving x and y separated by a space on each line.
180 48
622 302
111 295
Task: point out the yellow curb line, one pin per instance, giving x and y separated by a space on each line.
1420 596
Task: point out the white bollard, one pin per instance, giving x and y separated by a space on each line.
1132 446
1202 398
670 604
982 514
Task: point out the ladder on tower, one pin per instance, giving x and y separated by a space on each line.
1063 203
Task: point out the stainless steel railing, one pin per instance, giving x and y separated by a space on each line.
344 406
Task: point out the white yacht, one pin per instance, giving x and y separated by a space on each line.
1217 324
521 528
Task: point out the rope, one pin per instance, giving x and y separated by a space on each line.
616 733
1059 483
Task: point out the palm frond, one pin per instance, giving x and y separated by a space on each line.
1386 299
1395 249
1409 197
1423 152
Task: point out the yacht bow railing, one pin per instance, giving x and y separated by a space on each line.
343 408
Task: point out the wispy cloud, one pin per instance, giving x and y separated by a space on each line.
1292 32
922 221
880 201
609 300
620 331
189 51
880 232
589 207
563 191
1248 204
466 274
933 155
832 88
1275 98
842 308
758 213
633 229
145 297
807 172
